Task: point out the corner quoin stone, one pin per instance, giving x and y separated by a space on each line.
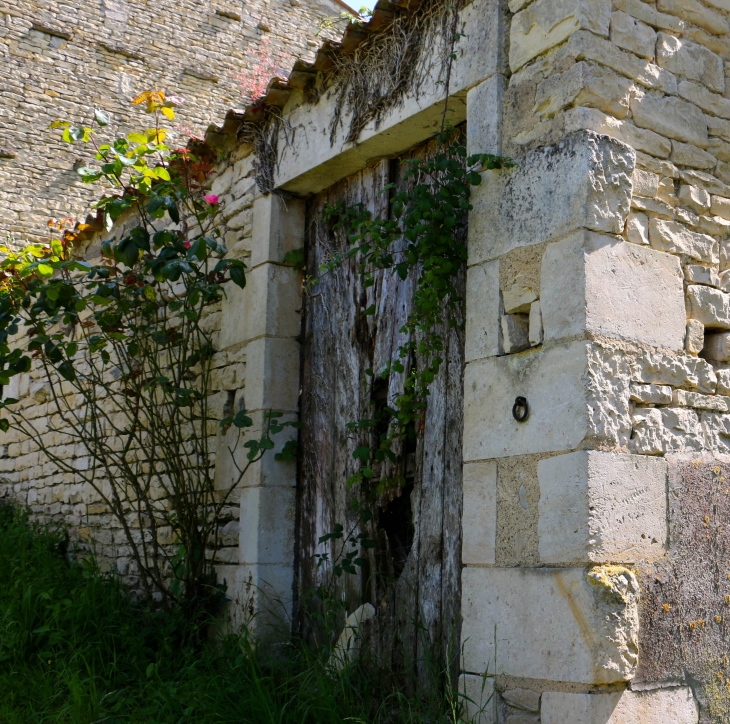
479 519
595 283
674 705
597 507
584 181
560 624
575 394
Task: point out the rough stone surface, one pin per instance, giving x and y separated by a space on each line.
668 429
676 238
518 496
695 12
701 274
696 199
598 507
480 513
546 23
637 229
692 61
267 525
584 45
576 392
671 117
650 15
483 334
485 128
651 394
526 699
631 34
596 284
695 336
479 698
709 102
585 181
721 207
701 402
685 154
584 84
518 298
593 631
675 370
723 382
515 332
536 329
661 706
710 306
683 634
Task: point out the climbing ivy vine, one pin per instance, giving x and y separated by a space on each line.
422 238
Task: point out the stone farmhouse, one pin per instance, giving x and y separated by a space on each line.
562 536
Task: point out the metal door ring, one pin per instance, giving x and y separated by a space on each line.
520 410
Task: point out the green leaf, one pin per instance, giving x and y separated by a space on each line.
101 117
238 274
127 251
117 207
198 250
89 175
241 419
362 453
66 370
172 209
141 238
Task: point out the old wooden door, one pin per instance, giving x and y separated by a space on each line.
412 576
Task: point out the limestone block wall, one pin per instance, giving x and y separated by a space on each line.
597 560
29 479
59 60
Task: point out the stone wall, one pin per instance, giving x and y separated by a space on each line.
53 496
59 60
595 583
596 292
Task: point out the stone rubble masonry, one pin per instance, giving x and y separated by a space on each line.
546 23
59 59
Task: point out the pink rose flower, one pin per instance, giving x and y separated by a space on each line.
187 244
212 199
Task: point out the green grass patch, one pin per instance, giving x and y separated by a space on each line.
75 648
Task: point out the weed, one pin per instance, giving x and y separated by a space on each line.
76 649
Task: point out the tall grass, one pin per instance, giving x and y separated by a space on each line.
74 648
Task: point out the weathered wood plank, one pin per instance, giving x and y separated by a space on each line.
413 576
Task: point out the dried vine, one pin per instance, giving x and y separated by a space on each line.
368 83
264 137
388 64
